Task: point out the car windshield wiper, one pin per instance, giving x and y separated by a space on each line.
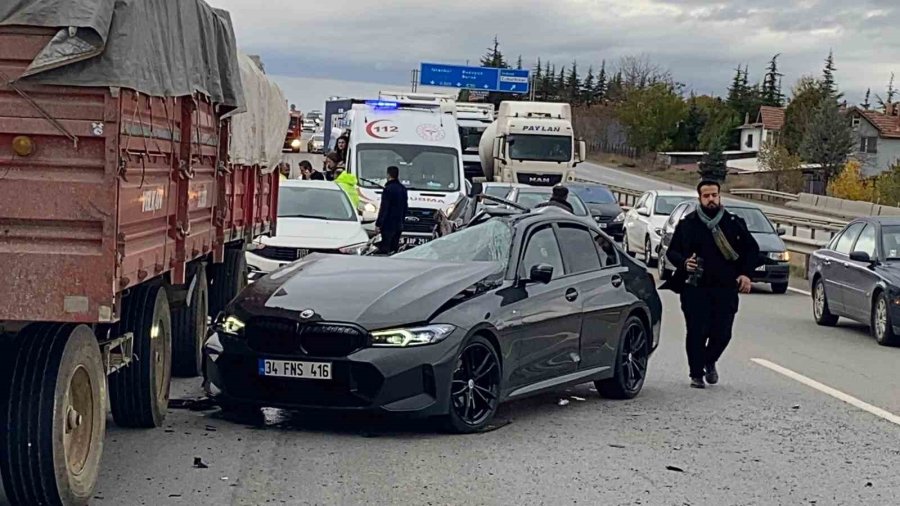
364 180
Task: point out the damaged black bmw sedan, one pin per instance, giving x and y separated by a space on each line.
507 308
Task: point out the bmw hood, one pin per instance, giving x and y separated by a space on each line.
768 242
612 210
374 292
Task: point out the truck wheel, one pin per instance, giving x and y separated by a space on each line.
140 392
189 324
227 280
54 428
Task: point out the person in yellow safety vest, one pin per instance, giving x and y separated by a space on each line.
348 183
284 171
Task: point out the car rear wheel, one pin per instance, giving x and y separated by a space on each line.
779 288
882 326
474 387
631 363
820 306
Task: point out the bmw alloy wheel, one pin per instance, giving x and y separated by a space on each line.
475 387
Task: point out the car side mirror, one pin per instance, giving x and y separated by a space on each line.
644 211
368 217
582 151
861 256
542 273
781 231
476 189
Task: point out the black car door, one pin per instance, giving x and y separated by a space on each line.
836 269
592 261
543 324
859 277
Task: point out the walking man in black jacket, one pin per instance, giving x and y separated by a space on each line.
392 212
714 255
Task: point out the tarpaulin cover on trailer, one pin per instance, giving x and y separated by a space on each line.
157 47
257 134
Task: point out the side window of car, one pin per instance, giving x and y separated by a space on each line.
578 249
866 241
543 249
607 251
643 200
847 239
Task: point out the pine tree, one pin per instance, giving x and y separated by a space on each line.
550 77
736 90
519 63
494 57
561 84
771 89
828 84
601 86
889 98
866 105
828 140
573 84
714 165
587 88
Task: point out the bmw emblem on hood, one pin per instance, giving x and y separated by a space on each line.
306 314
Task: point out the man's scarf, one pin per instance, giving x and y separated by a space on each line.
718 236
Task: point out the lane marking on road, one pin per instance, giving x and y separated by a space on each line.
837 394
801 292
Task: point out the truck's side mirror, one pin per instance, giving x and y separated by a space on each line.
582 151
498 147
476 189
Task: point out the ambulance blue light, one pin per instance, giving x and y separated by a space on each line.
382 104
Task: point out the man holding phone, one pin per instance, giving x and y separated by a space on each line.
714 254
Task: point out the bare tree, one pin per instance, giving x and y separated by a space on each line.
639 72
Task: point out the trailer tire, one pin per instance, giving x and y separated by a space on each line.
55 420
139 393
227 279
189 325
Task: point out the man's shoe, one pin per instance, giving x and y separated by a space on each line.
697 383
712 376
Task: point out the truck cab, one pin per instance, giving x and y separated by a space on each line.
531 143
473 120
421 138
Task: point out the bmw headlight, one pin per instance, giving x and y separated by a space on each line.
620 218
780 256
355 249
418 336
232 325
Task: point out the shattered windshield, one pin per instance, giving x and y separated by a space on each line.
488 242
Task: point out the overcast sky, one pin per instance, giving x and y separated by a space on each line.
356 47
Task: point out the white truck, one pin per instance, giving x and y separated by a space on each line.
531 143
473 120
421 138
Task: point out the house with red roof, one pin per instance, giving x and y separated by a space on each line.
877 136
768 124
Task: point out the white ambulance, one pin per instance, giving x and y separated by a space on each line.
421 138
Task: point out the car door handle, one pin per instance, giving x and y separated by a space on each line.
571 294
617 281
826 262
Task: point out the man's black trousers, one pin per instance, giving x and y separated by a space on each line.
390 242
709 315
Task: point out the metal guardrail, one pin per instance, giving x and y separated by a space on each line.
763 194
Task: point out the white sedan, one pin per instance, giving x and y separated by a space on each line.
313 216
644 222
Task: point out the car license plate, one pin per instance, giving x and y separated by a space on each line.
413 241
294 369
602 225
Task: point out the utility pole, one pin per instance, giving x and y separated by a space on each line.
415 80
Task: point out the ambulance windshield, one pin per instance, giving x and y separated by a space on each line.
422 168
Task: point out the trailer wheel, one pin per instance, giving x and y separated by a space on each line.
55 420
189 324
227 279
139 393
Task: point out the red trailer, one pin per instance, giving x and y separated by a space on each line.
123 224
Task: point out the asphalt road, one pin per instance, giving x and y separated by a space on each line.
759 437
